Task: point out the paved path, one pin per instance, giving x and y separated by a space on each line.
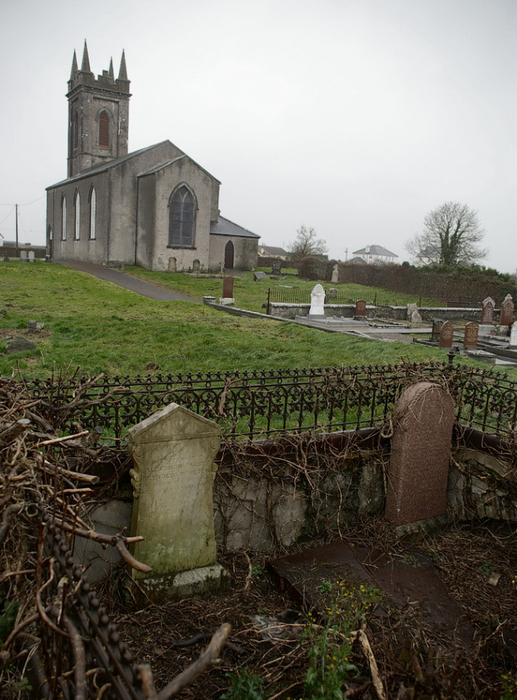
145 289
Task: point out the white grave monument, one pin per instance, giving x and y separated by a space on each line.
317 301
513 336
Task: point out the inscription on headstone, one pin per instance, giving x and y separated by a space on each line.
360 307
487 311
507 311
470 336
446 335
420 454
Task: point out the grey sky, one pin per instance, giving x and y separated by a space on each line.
356 117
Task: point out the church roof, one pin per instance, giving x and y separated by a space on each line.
164 164
225 227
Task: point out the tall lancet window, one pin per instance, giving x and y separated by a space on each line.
63 218
93 214
104 129
75 129
77 217
181 218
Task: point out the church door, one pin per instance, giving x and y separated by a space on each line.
229 256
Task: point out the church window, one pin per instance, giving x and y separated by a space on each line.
63 218
77 217
181 218
104 130
93 214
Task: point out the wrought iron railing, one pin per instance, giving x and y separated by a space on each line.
255 404
286 295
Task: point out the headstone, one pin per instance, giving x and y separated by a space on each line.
196 266
360 308
227 297
257 276
470 336
276 267
415 317
436 330
446 334
487 311
513 335
173 453
317 301
507 311
332 293
423 420
19 345
411 308
31 256
23 256
172 264
335 274
35 327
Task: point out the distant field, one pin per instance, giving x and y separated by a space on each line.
101 328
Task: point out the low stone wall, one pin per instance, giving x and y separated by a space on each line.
396 313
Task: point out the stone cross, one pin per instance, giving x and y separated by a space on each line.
317 301
173 454
487 311
446 334
360 308
420 454
470 336
507 311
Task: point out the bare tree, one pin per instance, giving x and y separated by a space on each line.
450 237
306 244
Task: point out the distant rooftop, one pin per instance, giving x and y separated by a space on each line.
375 250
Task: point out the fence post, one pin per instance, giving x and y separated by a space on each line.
268 308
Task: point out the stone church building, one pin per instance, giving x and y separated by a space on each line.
156 207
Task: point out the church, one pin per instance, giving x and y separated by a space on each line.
155 207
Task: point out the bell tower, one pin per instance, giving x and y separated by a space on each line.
98 114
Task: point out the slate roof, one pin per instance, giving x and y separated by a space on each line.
374 250
271 250
225 227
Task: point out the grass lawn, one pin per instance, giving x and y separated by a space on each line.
98 327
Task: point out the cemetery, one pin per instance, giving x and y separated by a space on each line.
182 534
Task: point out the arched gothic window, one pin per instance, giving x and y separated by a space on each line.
104 129
77 216
93 214
75 130
181 218
63 218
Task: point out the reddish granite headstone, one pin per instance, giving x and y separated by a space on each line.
487 311
507 310
360 308
228 288
420 453
446 334
470 336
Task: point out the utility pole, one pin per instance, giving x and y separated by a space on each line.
16 207
346 254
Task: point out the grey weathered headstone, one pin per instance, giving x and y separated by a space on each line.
23 256
487 311
415 317
335 274
196 266
423 420
332 293
31 256
446 335
507 311
411 308
257 276
19 345
317 301
173 453
360 308
470 336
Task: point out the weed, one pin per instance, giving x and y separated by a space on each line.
509 687
244 686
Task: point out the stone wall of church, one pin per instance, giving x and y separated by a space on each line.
245 252
155 189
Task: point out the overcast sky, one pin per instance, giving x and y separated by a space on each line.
356 117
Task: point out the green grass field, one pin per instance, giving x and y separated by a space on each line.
101 328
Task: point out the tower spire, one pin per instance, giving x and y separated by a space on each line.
122 74
110 72
74 66
85 66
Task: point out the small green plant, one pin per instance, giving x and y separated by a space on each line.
22 686
330 654
509 687
486 568
257 571
244 686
